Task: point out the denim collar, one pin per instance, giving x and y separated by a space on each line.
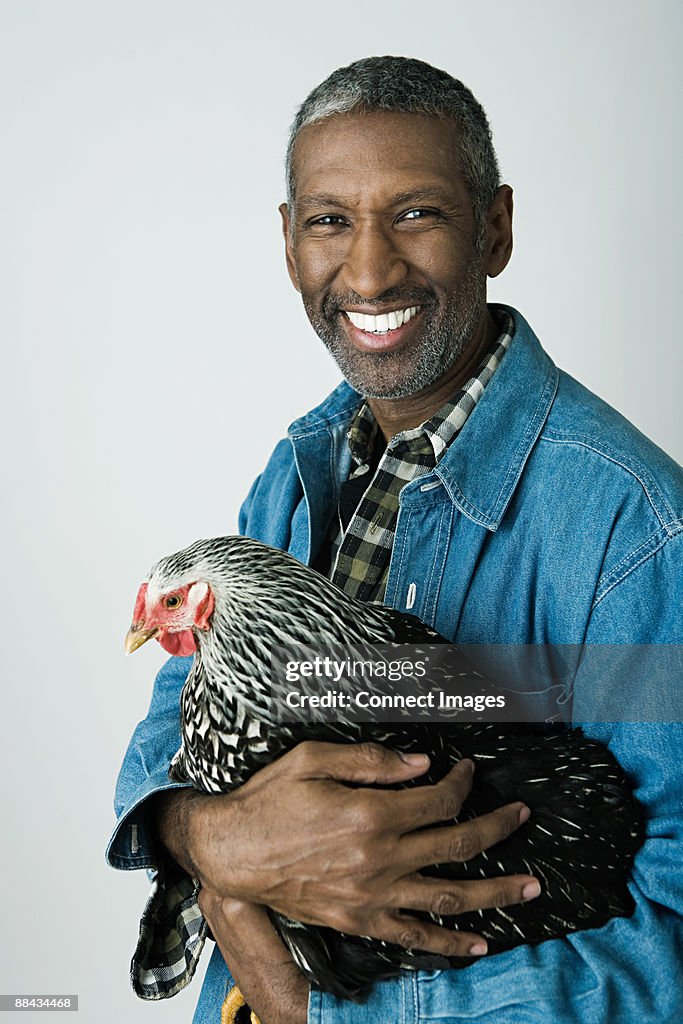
482 467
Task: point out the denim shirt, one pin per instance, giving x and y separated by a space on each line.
549 521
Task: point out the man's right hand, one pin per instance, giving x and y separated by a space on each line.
299 840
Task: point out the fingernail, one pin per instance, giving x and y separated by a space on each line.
417 760
468 764
478 949
524 814
531 890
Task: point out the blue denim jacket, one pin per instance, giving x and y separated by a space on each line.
550 520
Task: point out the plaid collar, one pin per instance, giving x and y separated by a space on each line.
361 552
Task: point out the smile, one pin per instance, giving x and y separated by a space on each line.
383 323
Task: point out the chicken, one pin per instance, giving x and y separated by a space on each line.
228 601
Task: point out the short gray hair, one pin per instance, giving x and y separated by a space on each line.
408 86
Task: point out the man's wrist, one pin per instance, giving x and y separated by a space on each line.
178 817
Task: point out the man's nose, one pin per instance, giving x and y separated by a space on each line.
373 262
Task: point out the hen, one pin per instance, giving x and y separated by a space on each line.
229 600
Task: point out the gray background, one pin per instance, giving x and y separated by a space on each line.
153 349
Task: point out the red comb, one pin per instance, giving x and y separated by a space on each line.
139 610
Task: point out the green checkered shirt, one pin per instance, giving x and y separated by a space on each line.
361 550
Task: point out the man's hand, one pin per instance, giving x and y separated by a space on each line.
267 976
299 840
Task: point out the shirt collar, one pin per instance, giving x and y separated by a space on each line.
481 472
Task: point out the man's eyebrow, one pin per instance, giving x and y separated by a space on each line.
319 199
435 193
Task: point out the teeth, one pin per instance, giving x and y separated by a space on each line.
384 322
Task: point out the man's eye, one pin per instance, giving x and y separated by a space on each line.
419 214
329 220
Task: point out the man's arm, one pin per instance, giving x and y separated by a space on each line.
299 840
267 977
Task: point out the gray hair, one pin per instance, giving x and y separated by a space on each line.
408 86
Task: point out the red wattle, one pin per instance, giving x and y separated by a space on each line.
181 645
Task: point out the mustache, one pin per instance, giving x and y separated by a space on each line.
401 297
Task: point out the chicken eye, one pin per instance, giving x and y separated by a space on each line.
174 601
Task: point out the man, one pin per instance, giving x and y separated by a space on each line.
484 491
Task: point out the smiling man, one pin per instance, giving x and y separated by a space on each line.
459 475
386 258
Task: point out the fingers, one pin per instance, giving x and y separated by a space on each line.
412 933
438 896
446 898
367 763
461 842
427 805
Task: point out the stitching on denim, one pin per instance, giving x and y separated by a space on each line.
130 863
629 571
323 424
467 508
514 469
409 1009
614 571
605 452
429 604
532 431
434 572
403 547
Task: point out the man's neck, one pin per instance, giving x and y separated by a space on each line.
397 414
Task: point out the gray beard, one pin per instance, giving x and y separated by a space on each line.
440 343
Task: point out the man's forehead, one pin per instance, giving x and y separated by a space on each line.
341 152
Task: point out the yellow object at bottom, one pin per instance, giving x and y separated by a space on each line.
232 1004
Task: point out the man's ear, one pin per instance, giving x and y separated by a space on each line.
289 249
498 244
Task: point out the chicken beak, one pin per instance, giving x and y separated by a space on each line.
137 636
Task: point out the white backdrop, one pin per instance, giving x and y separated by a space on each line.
146 316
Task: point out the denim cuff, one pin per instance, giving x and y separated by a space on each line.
133 842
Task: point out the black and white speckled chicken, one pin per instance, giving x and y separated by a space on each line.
229 600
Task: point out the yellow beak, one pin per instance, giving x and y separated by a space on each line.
136 637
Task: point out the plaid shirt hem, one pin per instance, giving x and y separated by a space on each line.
172 935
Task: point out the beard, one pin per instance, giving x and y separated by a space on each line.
445 330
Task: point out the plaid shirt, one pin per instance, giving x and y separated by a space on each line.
361 550
172 929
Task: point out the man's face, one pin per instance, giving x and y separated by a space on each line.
382 248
